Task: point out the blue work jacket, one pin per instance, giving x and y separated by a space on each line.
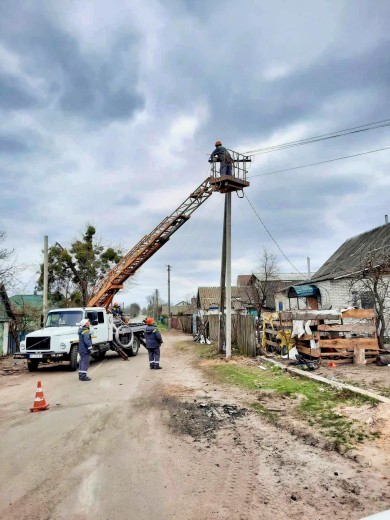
153 337
85 341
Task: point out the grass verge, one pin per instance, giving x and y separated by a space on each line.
318 405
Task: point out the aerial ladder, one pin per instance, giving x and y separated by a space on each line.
105 290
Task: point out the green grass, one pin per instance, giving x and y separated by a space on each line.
317 404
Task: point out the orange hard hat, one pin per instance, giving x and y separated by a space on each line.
218 143
149 321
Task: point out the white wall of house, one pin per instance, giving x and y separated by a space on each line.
4 332
334 293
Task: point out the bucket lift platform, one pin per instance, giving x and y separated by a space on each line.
228 183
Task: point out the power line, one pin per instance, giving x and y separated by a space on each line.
269 233
321 162
332 135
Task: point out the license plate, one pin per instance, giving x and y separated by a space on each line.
35 356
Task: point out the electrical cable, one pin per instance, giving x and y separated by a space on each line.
269 233
332 135
317 163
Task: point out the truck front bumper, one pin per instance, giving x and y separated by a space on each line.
44 356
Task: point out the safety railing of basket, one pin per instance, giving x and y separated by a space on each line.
239 165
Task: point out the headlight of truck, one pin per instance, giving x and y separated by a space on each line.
22 345
63 346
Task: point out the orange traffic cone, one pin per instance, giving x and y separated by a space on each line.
39 402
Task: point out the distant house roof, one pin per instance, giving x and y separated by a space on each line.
209 298
243 279
284 277
5 304
347 259
33 300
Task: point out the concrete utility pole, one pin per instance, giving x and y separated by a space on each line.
222 336
228 275
169 297
45 277
156 308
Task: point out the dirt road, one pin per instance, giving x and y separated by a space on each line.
160 445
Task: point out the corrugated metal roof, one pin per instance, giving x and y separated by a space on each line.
347 259
34 300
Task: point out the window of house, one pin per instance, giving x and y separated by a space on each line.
367 300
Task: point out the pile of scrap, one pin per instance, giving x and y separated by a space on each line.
347 336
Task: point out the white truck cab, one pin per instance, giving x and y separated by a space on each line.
58 340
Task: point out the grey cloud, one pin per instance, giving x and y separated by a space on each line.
96 88
14 95
10 145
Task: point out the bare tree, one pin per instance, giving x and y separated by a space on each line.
7 267
370 287
260 289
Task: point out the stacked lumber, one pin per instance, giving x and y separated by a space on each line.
335 336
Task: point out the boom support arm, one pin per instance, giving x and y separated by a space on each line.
104 292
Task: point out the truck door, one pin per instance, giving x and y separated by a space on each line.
99 328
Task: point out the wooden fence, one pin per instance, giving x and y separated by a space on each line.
243 331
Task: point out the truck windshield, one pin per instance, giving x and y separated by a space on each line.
64 318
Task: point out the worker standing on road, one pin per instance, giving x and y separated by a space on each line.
221 154
153 341
85 347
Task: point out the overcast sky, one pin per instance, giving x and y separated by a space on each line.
109 109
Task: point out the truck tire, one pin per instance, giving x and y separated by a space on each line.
32 365
133 350
73 359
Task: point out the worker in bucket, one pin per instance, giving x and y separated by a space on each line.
85 347
117 310
223 156
153 342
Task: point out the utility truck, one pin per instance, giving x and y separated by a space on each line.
58 341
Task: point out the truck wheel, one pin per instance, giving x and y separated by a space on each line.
32 365
133 350
73 359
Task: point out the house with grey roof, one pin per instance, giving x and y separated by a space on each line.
180 309
331 286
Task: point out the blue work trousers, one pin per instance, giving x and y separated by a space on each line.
84 364
154 355
225 169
